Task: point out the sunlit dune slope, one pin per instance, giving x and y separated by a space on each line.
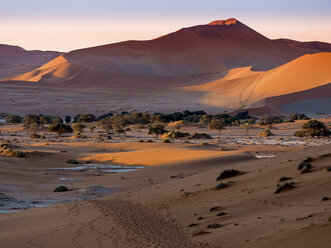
242 86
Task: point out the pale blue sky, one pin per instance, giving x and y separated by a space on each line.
70 24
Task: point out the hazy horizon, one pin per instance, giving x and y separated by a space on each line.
78 24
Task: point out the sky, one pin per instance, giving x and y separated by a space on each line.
65 25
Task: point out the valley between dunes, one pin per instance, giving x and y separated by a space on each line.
159 215
172 202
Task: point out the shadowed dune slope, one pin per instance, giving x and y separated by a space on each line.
190 55
15 60
245 88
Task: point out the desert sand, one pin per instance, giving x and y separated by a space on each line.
171 201
245 88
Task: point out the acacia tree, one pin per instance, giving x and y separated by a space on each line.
218 125
157 129
60 128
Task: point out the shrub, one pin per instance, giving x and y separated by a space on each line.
313 128
79 136
44 119
166 141
86 118
228 173
200 136
174 134
78 127
61 189
57 120
67 119
298 117
14 119
266 132
270 119
9 152
72 161
30 118
243 115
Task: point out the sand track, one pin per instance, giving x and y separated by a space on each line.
113 223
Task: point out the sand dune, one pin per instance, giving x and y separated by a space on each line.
203 50
15 60
243 87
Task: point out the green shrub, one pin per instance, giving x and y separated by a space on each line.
313 128
61 189
78 127
72 161
270 119
298 117
174 134
13 119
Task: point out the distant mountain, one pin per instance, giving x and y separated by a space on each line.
15 60
176 59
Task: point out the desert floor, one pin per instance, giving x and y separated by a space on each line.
172 200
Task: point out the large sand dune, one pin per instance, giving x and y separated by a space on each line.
200 50
243 87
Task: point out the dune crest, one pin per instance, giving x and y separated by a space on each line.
224 22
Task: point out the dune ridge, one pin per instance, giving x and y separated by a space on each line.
244 88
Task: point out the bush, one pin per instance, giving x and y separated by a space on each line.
67 119
266 132
57 120
86 118
9 152
295 117
79 136
270 119
228 173
313 128
44 119
243 115
72 161
174 134
13 119
61 189
166 141
200 136
31 118
78 127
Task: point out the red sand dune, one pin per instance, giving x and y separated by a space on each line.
210 49
15 60
243 88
